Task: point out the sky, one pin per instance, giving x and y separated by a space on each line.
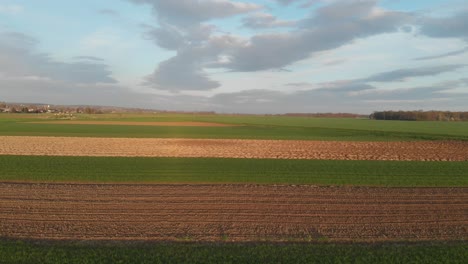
237 56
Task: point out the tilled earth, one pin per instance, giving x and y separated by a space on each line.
235 148
231 212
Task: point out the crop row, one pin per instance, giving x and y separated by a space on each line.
220 170
28 252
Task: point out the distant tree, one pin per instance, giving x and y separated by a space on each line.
420 115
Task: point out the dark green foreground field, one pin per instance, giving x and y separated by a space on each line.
68 252
221 170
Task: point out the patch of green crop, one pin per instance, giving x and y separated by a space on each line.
244 132
219 170
422 127
13 252
255 127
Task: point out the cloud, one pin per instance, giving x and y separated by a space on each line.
298 84
446 27
30 90
340 97
181 29
330 27
189 12
27 75
344 87
180 73
88 58
448 54
403 74
286 2
169 38
265 20
304 3
25 72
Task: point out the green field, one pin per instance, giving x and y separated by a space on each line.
224 171
253 127
12 252
209 170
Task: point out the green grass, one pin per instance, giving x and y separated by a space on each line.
14 252
216 170
420 127
254 127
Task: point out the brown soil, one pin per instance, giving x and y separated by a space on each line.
121 123
231 212
234 148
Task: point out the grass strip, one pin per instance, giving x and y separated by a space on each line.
74 252
253 127
222 170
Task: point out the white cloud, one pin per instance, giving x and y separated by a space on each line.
266 20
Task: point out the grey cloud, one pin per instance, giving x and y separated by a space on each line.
18 58
345 86
415 93
264 52
304 3
181 29
61 92
29 76
361 98
329 27
168 38
189 12
265 20
332 26
334 62
185 70
402 74
91 58
287 2
247 97
446 27
267 101
179 73
448 54
298 84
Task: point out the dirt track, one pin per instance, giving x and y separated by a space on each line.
130 123
231 212
234 148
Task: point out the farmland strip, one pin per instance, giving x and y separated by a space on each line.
232 148
202 213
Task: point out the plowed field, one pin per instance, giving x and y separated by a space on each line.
231 212
233 148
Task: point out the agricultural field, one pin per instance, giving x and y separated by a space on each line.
351 189
235 127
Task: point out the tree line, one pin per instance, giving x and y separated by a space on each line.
420 115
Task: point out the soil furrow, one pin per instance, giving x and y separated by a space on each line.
234 148
203 213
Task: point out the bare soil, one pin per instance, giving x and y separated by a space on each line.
235 148
130 123
231 213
